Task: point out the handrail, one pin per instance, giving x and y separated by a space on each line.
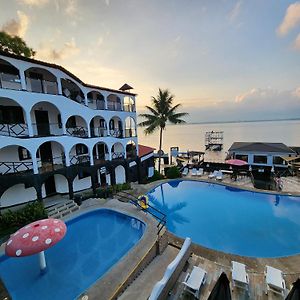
15 130
79 131
162 219
15 166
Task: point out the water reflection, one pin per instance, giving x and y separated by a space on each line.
172 211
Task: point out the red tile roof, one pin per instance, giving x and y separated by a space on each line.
144 150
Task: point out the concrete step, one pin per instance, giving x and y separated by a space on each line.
62 209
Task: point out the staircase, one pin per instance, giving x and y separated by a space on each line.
60 210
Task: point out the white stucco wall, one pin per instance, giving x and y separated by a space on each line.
81 184
120 174
17 194
61 184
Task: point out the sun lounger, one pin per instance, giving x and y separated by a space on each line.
194 281
194 172
185 171
219 175
213 175
200 172
239 276
275 281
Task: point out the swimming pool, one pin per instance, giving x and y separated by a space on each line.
229 219
94 242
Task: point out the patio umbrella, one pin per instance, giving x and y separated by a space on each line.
221 290
35 238
294 294
236 162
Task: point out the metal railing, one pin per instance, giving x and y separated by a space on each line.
78 131
129 107
114 106
10 81
154 212
47 129
99 132
117 133
54 163
117 155
41 86
131 154
96 104
14 130
9 167
80 159
130 132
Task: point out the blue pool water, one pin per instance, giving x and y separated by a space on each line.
94 242
229 219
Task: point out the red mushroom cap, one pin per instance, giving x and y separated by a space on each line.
35 237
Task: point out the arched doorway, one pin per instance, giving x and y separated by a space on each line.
9 76
120 174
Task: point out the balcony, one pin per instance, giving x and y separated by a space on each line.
10 81
52 164
117 133
78 131
99 132
96 104
80 159
14 167
129 107
14 130
117 155
42 86
47 129
114 106
131 132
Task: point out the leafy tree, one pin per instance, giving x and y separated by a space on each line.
15 45
159 114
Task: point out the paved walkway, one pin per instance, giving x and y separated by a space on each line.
141 288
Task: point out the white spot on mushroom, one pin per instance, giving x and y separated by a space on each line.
9 242
19 252
55 222
35 238
48 241
28 226
57 229
16 233
44 220
44 227
25 235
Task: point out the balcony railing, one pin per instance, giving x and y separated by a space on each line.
78 131
10 81
96 104
117 133
131 132
117 155
12 167
14 130
98 132
100 158
47 129
42 86
129 107
52 164
114 106
131 154
80 159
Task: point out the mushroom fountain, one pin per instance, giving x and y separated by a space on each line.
35 238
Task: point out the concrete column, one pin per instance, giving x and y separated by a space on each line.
71 190
105 103
89 131
23 80
67 159
85 99
35 164
29 123
91 158
59 86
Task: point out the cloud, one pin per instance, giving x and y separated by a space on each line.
255 104
235 11
290 20
17 27
33 2
107 2
71 7
297 42
48 53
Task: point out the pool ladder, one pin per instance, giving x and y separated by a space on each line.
154 212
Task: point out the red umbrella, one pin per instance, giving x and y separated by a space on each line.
35 238
236 162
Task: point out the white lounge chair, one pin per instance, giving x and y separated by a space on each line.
213 175
194 281
185 171
275 281
239 276
200 172
194 172
219 175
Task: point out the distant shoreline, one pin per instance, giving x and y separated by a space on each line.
241 121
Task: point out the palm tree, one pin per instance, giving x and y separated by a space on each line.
159 114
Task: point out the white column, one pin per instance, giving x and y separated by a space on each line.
91 158
34 164
122 102
105 101
29 123
23 80
59 87
67 159
85 99
89 131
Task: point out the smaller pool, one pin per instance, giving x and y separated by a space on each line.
94 242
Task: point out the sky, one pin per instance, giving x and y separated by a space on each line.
223 60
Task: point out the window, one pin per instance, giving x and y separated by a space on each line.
81 149
260 159
277 160
11 115
242 157
71 123
23 153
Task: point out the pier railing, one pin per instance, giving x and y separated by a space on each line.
154 212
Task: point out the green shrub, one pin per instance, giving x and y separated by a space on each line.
156 176
30 213
173 172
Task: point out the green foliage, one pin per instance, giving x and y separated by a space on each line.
30 213
156 176
173 172
15 45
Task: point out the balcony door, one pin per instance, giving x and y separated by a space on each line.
46 153
42 122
